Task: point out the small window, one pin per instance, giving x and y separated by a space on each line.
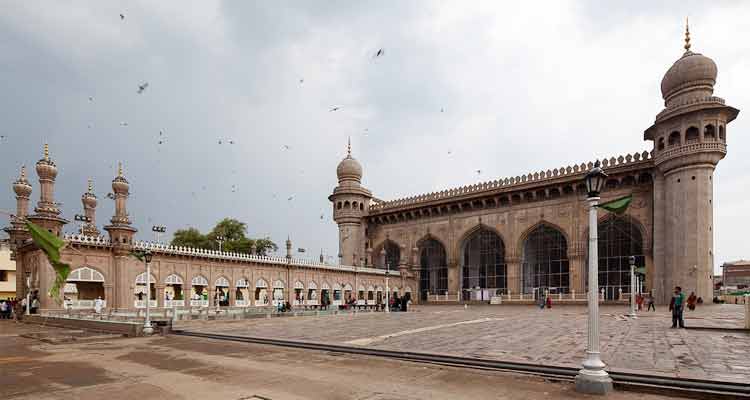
3 276
721 132
338 205
661 143
347 205
709 132
361 207
692 135
674 138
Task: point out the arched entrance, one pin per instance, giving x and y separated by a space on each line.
199 291
545 261
619 239
241 293
221 298
391 258
483 273
83 286
145 289
433 273
173 296
261 293
312 293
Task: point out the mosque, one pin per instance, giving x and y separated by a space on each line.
510 238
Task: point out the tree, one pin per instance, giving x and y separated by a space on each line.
234 234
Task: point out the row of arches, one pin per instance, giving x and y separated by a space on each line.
692 135
544 261
346 205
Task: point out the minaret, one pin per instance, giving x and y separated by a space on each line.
288 248
689 137
120 232
46 213
89 210
351 203
17 229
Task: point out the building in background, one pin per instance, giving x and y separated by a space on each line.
736 274
7 271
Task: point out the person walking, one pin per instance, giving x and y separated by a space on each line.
34 305
540 300
650 303
98 304
677 305
691 301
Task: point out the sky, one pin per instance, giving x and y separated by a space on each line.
505 87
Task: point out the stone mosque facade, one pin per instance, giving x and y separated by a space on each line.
510 238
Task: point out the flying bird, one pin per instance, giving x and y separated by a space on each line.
231 142
334 109
122 17
91 98
290 198
161 133
219 141
123 123
321 217
286 147
379 53
442 110
479 171
142 87
301 81
450 152
110 196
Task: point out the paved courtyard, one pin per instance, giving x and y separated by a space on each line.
176 367
554 336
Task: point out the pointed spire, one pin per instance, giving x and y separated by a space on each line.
46 152
23 173
687 35
119 169
349 148
91 186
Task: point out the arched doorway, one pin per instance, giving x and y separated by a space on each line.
433 273
221 298
391 258
261 293
312 293
618 239
173 296
199 291
483 273
83 286
545 261
241 293
145 289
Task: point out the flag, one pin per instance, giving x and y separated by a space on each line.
51 245
617 206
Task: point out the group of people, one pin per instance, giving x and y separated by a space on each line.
647 299
397 303
677 306
11 308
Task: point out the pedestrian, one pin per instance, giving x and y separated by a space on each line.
691 301
4 309
34 305
549 301
98 304
676 305
639 301
650 302
540 301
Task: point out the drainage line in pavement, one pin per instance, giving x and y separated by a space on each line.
704 389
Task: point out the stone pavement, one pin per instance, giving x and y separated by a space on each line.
191 368
554 336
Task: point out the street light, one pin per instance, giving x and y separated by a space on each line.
157 229
83 220
592 378
147 328
220 239
631 259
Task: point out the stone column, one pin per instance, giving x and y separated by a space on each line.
514 274
160 293
577 280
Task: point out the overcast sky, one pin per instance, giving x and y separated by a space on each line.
524 86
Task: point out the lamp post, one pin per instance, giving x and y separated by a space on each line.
28 293
592 378
83 220
631 259
147 328
220 239
387 289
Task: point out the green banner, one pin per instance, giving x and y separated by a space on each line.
51 245
617 206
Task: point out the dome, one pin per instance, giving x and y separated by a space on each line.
120 184
692 70
21 187
349 168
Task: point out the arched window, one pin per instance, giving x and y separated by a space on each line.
347 205
674 138
483 269
433 265
709 132
692 135
338 206
661 143
392 256
361 207
618 240
721 132
354 205
545 261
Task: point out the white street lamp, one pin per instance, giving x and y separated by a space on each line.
147 328
387 289
158 229
592 378
631 259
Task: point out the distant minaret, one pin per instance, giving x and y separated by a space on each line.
89 210
288 248
17 229
351 203
120 231
46 213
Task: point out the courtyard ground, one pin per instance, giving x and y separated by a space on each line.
174 367
555 336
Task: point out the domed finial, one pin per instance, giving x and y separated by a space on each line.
46 152
687 35
91 186
119 169
349 148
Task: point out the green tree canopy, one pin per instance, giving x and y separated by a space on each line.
235 239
